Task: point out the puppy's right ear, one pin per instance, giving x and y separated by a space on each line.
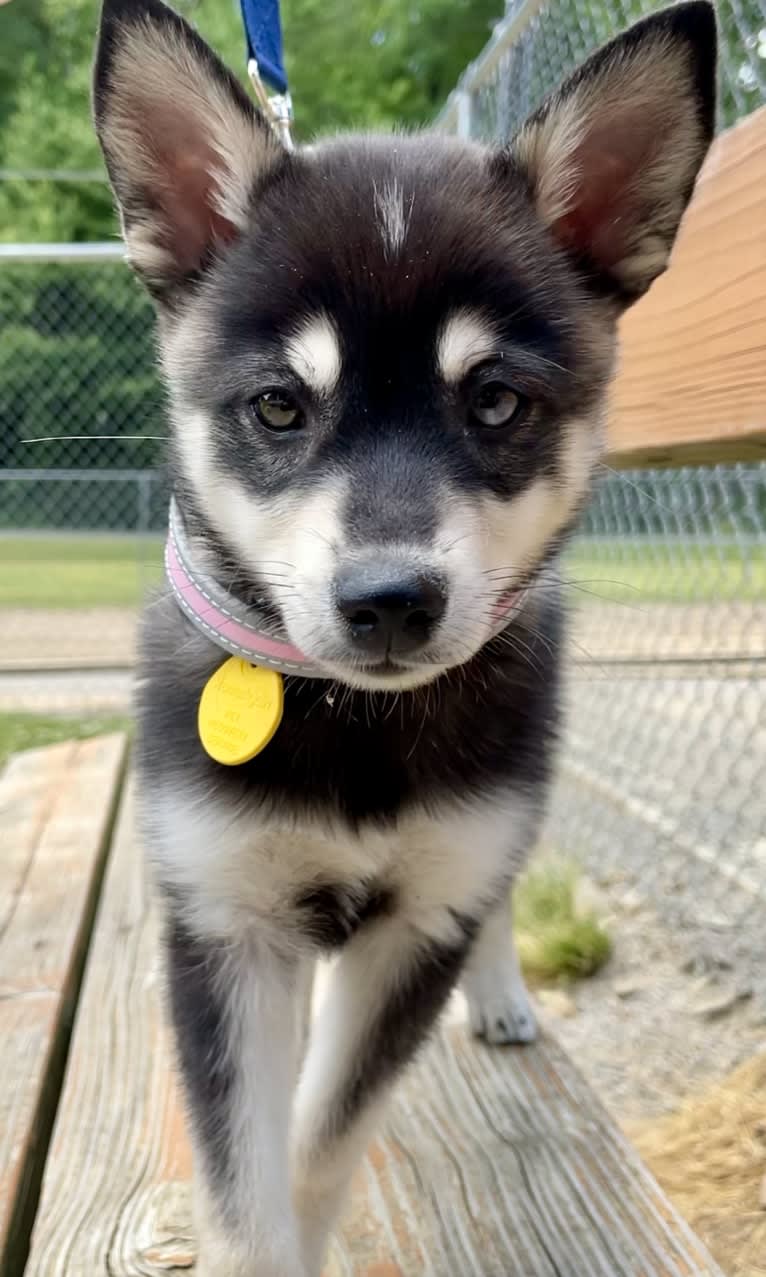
184 146
611 158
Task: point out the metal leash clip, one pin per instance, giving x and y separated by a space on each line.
277 107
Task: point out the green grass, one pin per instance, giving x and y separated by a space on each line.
94 570
556 940
77 571
655 572
28 731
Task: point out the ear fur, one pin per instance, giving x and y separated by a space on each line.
611 158
184 145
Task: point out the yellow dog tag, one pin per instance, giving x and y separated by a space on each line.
239 711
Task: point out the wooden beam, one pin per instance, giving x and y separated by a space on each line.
56 806
692 380
492 1161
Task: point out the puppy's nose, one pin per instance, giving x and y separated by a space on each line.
389 613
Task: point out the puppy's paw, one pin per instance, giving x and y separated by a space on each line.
501 1016
219 1260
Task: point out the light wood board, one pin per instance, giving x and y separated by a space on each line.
55 810
692 379
494 1163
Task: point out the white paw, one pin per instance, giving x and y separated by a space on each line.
501 1016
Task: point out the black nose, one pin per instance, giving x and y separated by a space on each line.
389 614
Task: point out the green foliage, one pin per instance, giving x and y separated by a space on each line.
379 64
361 64
555 937
373 62
76 358
45 57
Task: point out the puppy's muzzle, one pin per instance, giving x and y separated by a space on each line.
389 611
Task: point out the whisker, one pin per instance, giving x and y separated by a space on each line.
320 536
71 438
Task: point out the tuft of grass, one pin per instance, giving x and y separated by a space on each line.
556 939
28 731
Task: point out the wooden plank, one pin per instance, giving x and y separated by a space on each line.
493 1163
114 1191
56 806
692 379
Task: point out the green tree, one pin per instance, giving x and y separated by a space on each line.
361 64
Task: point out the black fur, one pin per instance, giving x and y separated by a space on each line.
330 914
317 248
402 440
197 1006
366 757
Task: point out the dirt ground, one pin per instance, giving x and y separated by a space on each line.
658 1032
660 1020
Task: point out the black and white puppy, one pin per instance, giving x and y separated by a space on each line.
386 361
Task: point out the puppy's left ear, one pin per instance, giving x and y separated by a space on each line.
612 157
184 146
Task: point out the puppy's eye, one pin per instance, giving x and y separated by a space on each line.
276 410
495 404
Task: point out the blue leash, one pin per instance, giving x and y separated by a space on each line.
265 65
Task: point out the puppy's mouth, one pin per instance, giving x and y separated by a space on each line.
386 666
390 668
350 662
385 675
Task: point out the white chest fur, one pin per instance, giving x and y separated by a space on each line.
233 868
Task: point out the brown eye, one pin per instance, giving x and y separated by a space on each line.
495 404
276 410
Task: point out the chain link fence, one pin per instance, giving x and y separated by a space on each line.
83 498
663 778
540 42
662 786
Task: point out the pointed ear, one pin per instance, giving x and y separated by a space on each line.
611 158
183 144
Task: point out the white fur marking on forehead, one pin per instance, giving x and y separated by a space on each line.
393 218
314 354
465 339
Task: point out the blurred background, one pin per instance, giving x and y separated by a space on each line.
655 851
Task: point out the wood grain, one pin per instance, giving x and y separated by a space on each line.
493 1164
55 809
115 1188
692 379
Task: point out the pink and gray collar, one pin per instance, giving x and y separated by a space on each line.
242 630
235 626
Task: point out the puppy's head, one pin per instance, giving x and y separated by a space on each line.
387 357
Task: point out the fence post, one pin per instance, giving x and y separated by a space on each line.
464 113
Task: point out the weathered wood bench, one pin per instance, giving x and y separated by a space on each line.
492 1163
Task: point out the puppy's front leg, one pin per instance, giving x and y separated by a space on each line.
236 1011
386 991
498 1003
